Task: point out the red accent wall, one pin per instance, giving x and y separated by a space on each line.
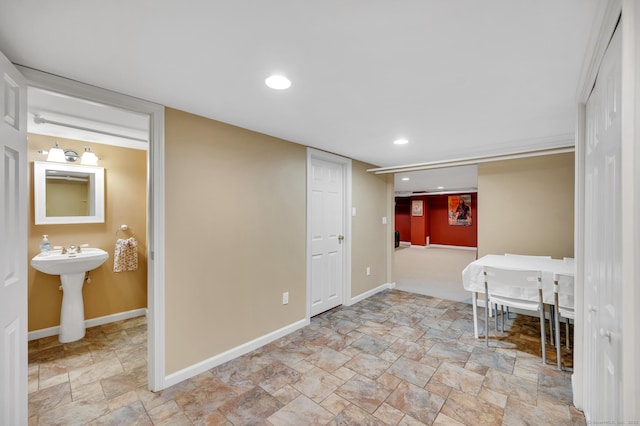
420 224
445 234
403 218
434 223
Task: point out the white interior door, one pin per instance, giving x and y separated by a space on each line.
603 236
326 233
13 246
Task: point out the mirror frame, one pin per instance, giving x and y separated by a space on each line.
96 182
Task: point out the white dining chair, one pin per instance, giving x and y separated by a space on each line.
553 312
516 288
563 289
535 257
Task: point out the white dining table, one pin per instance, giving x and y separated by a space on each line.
473 277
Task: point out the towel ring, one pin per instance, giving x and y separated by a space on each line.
123 227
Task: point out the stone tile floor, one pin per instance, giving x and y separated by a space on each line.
396 358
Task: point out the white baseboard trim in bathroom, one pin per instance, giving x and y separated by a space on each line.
452 247
214 361
362 296
405 243
93 322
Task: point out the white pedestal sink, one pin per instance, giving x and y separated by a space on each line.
72 268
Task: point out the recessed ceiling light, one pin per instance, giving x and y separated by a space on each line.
406 178
441 187
401 142
278 82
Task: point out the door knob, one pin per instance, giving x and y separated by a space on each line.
340 238
605 333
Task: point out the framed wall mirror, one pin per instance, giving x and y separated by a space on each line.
67 193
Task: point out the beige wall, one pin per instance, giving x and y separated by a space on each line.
125 203
371 242
526 206
235 236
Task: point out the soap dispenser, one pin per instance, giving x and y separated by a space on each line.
44 245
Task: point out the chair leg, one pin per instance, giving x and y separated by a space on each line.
543 335
558 344
552 314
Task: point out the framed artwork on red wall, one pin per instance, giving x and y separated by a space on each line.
460 210
416 207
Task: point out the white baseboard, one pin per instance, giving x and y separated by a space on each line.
452 247
405 243
214 361
233 353
54 331
371 292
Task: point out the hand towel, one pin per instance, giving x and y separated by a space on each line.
126 255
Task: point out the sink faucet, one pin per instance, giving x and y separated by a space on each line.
73 249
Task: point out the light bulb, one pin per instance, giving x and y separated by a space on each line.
56 154
88 157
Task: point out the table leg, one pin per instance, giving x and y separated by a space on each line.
474 302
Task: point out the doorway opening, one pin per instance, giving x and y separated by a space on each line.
433 243
127 136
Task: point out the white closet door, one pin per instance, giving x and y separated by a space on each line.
326 186
13 245
603 246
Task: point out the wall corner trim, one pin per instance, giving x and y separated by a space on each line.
366 294
233 353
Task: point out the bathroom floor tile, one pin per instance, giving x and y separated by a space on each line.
396 358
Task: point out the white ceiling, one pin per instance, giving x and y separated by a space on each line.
457 78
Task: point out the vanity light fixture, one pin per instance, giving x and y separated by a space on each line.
71 155
400 142
59 155
56 154
278 82
89 158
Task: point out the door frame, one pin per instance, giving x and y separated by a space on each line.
155 203
602 30
345 163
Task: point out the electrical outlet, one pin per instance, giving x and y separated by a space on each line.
368 270
384 220
285 298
